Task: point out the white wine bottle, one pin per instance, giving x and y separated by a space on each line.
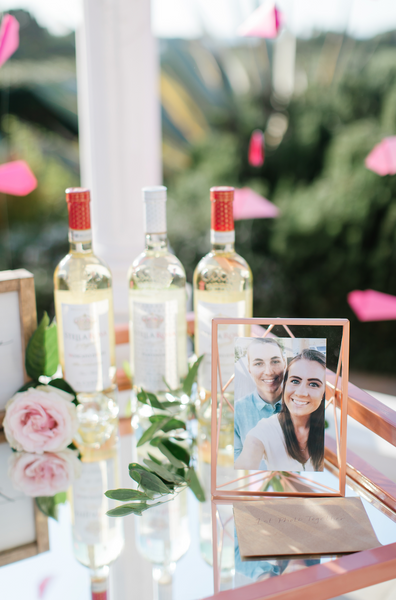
157 304
85 322
97 539
222 288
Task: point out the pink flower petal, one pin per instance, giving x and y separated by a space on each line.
264 22
256 149
9 37
250 205
16 178
382 158
43 585
369 305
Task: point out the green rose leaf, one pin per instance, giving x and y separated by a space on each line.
191 376
149 482
124 495
61 384
177 451
42 350
28 385
195 485
48 504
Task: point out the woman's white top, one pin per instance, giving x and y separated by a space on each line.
270 434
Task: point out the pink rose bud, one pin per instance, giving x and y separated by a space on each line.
43 474
41 419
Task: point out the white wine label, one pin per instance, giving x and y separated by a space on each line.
155 344
87 345
80 235
226 334
91 525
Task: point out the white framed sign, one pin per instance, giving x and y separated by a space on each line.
18 320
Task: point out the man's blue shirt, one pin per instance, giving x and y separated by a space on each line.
248 412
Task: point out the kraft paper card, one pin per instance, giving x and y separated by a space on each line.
303 527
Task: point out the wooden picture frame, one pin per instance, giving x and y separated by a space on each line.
18 321
228 484
24 529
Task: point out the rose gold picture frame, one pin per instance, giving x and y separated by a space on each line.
255 484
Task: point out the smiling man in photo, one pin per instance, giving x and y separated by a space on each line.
266 365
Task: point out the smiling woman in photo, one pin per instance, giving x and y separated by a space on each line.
292 440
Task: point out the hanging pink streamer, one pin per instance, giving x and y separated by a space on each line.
264 22
9 37
382 158
250 205
256 149
16 178
369 305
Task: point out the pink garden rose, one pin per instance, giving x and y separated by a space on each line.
41 419
44 474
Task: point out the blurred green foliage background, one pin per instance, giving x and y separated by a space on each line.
336 231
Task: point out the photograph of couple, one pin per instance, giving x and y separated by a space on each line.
279 405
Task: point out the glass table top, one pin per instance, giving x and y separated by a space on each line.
167 553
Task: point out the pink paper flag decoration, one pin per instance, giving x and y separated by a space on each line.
264 22
250 205
382 158
369 305
256 148
9 37
16 178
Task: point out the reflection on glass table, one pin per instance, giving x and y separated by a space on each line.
131 575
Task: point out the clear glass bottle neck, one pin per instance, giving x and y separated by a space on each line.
77 247
156 241
227 248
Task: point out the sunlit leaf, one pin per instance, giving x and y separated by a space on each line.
42 350
128 509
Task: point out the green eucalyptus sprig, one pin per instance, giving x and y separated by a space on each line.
158 480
